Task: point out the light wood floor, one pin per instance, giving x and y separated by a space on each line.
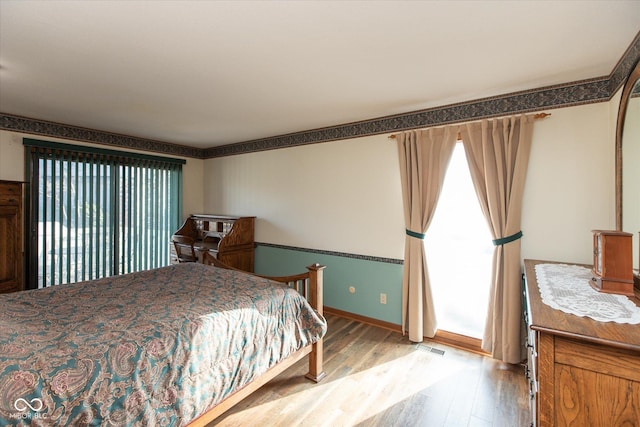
377 377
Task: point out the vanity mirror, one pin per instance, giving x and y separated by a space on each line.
628 162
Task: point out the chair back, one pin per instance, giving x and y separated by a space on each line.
184 248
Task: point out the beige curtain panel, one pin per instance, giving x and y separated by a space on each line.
424 156
498 155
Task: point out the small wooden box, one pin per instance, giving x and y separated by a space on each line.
612 262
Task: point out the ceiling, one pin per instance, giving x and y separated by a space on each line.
210 73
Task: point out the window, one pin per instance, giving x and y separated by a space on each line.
96 213
459 253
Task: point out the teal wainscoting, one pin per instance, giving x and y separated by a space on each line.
369 276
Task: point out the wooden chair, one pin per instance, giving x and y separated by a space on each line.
184 248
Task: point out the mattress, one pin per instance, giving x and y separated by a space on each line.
157 347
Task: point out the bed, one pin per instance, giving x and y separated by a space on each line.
177 345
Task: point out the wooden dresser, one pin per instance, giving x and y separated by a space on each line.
11 260
230 239
581 372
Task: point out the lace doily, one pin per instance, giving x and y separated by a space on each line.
566 288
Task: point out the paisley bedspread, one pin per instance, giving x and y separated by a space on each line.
157 347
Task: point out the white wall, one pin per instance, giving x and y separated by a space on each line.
11 156
12 167
570 188
341 196
192 187
345 195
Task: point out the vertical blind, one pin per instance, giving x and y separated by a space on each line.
96 213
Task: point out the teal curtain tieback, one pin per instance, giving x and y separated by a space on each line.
508 239
414 234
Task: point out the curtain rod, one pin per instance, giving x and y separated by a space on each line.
535 117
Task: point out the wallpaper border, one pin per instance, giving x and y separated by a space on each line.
333 253
75 133
564 95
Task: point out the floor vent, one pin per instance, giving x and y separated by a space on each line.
431 349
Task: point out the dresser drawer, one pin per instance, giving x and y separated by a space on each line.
9 287
11 194
532 354
619 363
532 374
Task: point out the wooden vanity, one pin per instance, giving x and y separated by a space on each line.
581 372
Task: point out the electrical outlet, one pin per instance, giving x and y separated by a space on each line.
383 298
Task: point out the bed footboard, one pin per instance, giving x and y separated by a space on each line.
316 271
310 286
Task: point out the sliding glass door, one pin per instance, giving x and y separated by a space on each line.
96 213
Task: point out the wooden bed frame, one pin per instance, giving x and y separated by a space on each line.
309 285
